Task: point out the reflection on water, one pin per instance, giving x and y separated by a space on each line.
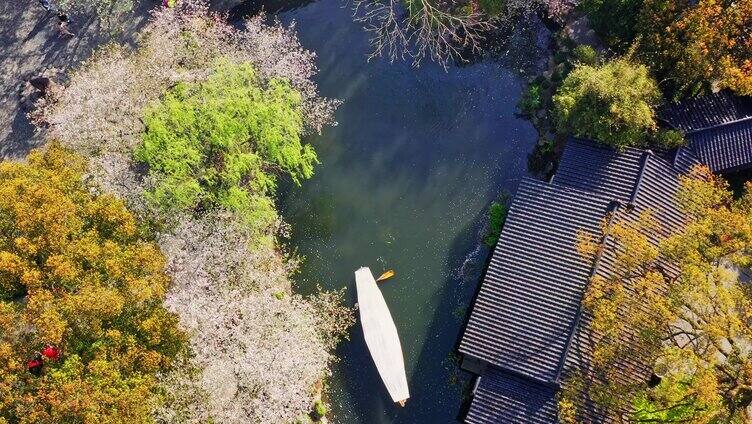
404 183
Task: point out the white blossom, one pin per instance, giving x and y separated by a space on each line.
256 349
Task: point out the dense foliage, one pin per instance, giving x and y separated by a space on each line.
219 143
691 47
695 46
692 323
76 274
614 20
227 107
612 103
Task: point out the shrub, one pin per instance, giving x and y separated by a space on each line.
611 103
585 55
497 214
669 138
76 274
319 409
531 100
219 143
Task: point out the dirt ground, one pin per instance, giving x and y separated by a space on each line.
31 45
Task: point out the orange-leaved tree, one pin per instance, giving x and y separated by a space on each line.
695 45
81 284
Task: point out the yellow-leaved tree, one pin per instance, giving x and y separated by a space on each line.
681 308
82 328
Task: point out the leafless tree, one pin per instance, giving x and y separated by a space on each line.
438 30
421 30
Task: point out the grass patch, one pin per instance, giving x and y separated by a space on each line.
497 214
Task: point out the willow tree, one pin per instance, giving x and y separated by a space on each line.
613 103
681 309
217 113
221 143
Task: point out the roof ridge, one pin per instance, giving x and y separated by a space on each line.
722 124
613 209
636 190
548 383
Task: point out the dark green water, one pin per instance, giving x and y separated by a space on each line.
404 183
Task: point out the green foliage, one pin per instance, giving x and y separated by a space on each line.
682 408
319 409
220 144
613 20
491 7
669 138
584 55
692 46
611 103
531 100
497 214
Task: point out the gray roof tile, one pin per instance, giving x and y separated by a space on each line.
527 319
726 147
706 111
531 292
502 398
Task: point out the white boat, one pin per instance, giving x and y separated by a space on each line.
381 336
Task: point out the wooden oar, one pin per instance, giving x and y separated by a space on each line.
385 276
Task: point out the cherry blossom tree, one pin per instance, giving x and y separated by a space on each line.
258 351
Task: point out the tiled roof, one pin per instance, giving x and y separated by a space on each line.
658 183
527 318
596 168
706 111
726 147
505 398
718 128
524 311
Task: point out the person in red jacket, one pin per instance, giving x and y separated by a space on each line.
51 352
34 365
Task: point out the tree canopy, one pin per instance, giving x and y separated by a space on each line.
612 103
221 142
77 275
614 20
691 47
690 323
231 105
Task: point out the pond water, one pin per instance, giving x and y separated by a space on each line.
405 181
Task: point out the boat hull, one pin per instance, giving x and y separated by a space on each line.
381 336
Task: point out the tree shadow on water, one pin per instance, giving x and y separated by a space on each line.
438 382
437 385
